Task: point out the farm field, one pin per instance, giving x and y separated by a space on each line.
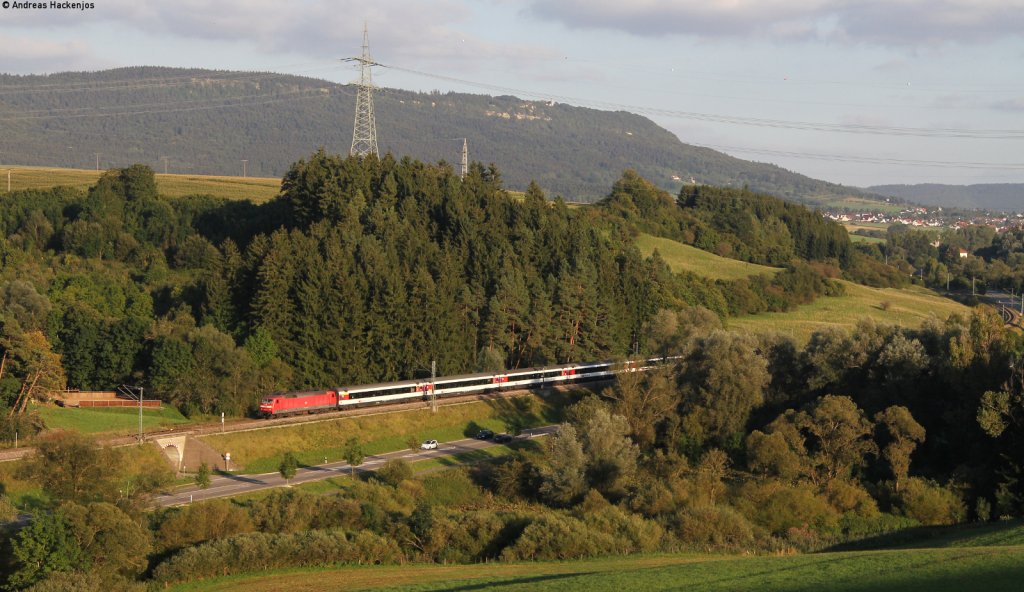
933 570
256 189
680 257
908 307
261 451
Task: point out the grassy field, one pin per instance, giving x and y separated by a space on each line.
256 189
261 451
926 570
109 421
680 257
988 534
857 238
857 203
908 307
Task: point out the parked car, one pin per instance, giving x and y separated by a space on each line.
484 435
503 438
429 445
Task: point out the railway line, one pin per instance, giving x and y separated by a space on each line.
247 425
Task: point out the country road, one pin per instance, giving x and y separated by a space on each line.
230 485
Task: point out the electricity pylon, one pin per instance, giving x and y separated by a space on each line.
364 133
465 157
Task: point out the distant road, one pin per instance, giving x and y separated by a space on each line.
230 485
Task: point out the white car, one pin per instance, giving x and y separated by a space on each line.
428 445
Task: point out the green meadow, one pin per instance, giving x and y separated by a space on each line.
960 564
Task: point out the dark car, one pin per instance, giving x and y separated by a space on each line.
503 438
484 435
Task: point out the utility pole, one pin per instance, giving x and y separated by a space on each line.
433 395
972 286
127 390
140 415
364 131
97 160
465 157
244 162
164 158
8 180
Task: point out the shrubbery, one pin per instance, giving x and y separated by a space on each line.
261 551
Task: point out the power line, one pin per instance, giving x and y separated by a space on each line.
1010 166
990 134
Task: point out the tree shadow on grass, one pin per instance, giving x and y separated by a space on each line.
529 580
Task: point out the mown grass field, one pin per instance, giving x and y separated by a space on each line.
680 257
992 569
909 307
261 451
857 238
109 421
256 189
858 203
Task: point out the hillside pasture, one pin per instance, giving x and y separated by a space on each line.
907 307
681 257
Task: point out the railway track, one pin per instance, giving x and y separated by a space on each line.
247 425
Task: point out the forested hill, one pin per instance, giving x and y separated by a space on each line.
206 121
1007 197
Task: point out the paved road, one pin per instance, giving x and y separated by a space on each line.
229 485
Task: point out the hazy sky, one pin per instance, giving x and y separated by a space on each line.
850 91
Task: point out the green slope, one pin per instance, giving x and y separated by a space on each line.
991 569
907 307
681 257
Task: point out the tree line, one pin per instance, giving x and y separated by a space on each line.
360 271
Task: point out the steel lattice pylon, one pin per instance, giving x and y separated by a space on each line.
364 133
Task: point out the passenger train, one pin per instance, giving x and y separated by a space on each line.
315 401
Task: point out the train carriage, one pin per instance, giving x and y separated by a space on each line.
447 386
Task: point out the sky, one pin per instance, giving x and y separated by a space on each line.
858 92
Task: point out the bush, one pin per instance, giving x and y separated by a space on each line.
779 507
395 471
553 536
201 522
634 533
259 551
929 503
713 527
859 527
451 488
